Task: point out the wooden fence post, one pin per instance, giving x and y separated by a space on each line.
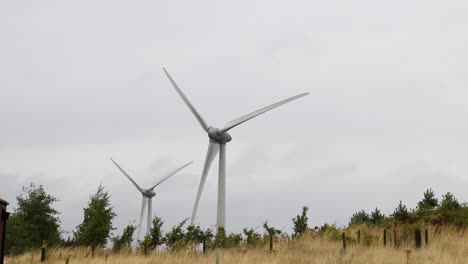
417 238
271 243
145 248
385 237
43 252
359 236
204 245
426 237
344 242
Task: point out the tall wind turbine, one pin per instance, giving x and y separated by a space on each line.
218 139
148 195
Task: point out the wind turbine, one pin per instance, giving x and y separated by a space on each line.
218 139
148 195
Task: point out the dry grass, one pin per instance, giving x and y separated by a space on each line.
450 246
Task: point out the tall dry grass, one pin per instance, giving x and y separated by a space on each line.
447 246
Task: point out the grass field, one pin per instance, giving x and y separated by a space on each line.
449 246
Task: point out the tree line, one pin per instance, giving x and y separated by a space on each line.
429 211
35 221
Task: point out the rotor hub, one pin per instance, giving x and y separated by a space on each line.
148 193
218 137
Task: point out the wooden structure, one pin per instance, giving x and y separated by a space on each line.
3 218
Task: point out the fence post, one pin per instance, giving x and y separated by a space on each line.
43 251
204 245
385 237
344 242
417 238
146 248
426 237
359 236
271 243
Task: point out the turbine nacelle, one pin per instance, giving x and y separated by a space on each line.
148 193
219 137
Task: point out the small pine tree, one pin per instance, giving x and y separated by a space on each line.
194 235
206 237
449 202
124 241
157 237
401 213
97 223
376 217
220 240
252 238
234 240
428 202
271 232
359 218
176 235
300 222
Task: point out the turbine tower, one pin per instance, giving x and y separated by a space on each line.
218 139
148 195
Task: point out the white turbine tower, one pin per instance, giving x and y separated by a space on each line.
148 195
218 140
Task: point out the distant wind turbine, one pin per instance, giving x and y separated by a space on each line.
148 195
218 140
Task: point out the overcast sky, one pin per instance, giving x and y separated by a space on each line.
385 119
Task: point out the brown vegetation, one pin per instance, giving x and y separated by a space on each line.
447 246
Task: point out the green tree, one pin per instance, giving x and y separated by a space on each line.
359 218
271 232
156 233
252 238
449 202
300 222
401 213
145 244
176 235
234 240
124 241
95 229
206 237
428 202
34 221
376 217
193 234
220 240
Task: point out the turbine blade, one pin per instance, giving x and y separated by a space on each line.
170 175
143 205
197 115
210 155
126 174
247 117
